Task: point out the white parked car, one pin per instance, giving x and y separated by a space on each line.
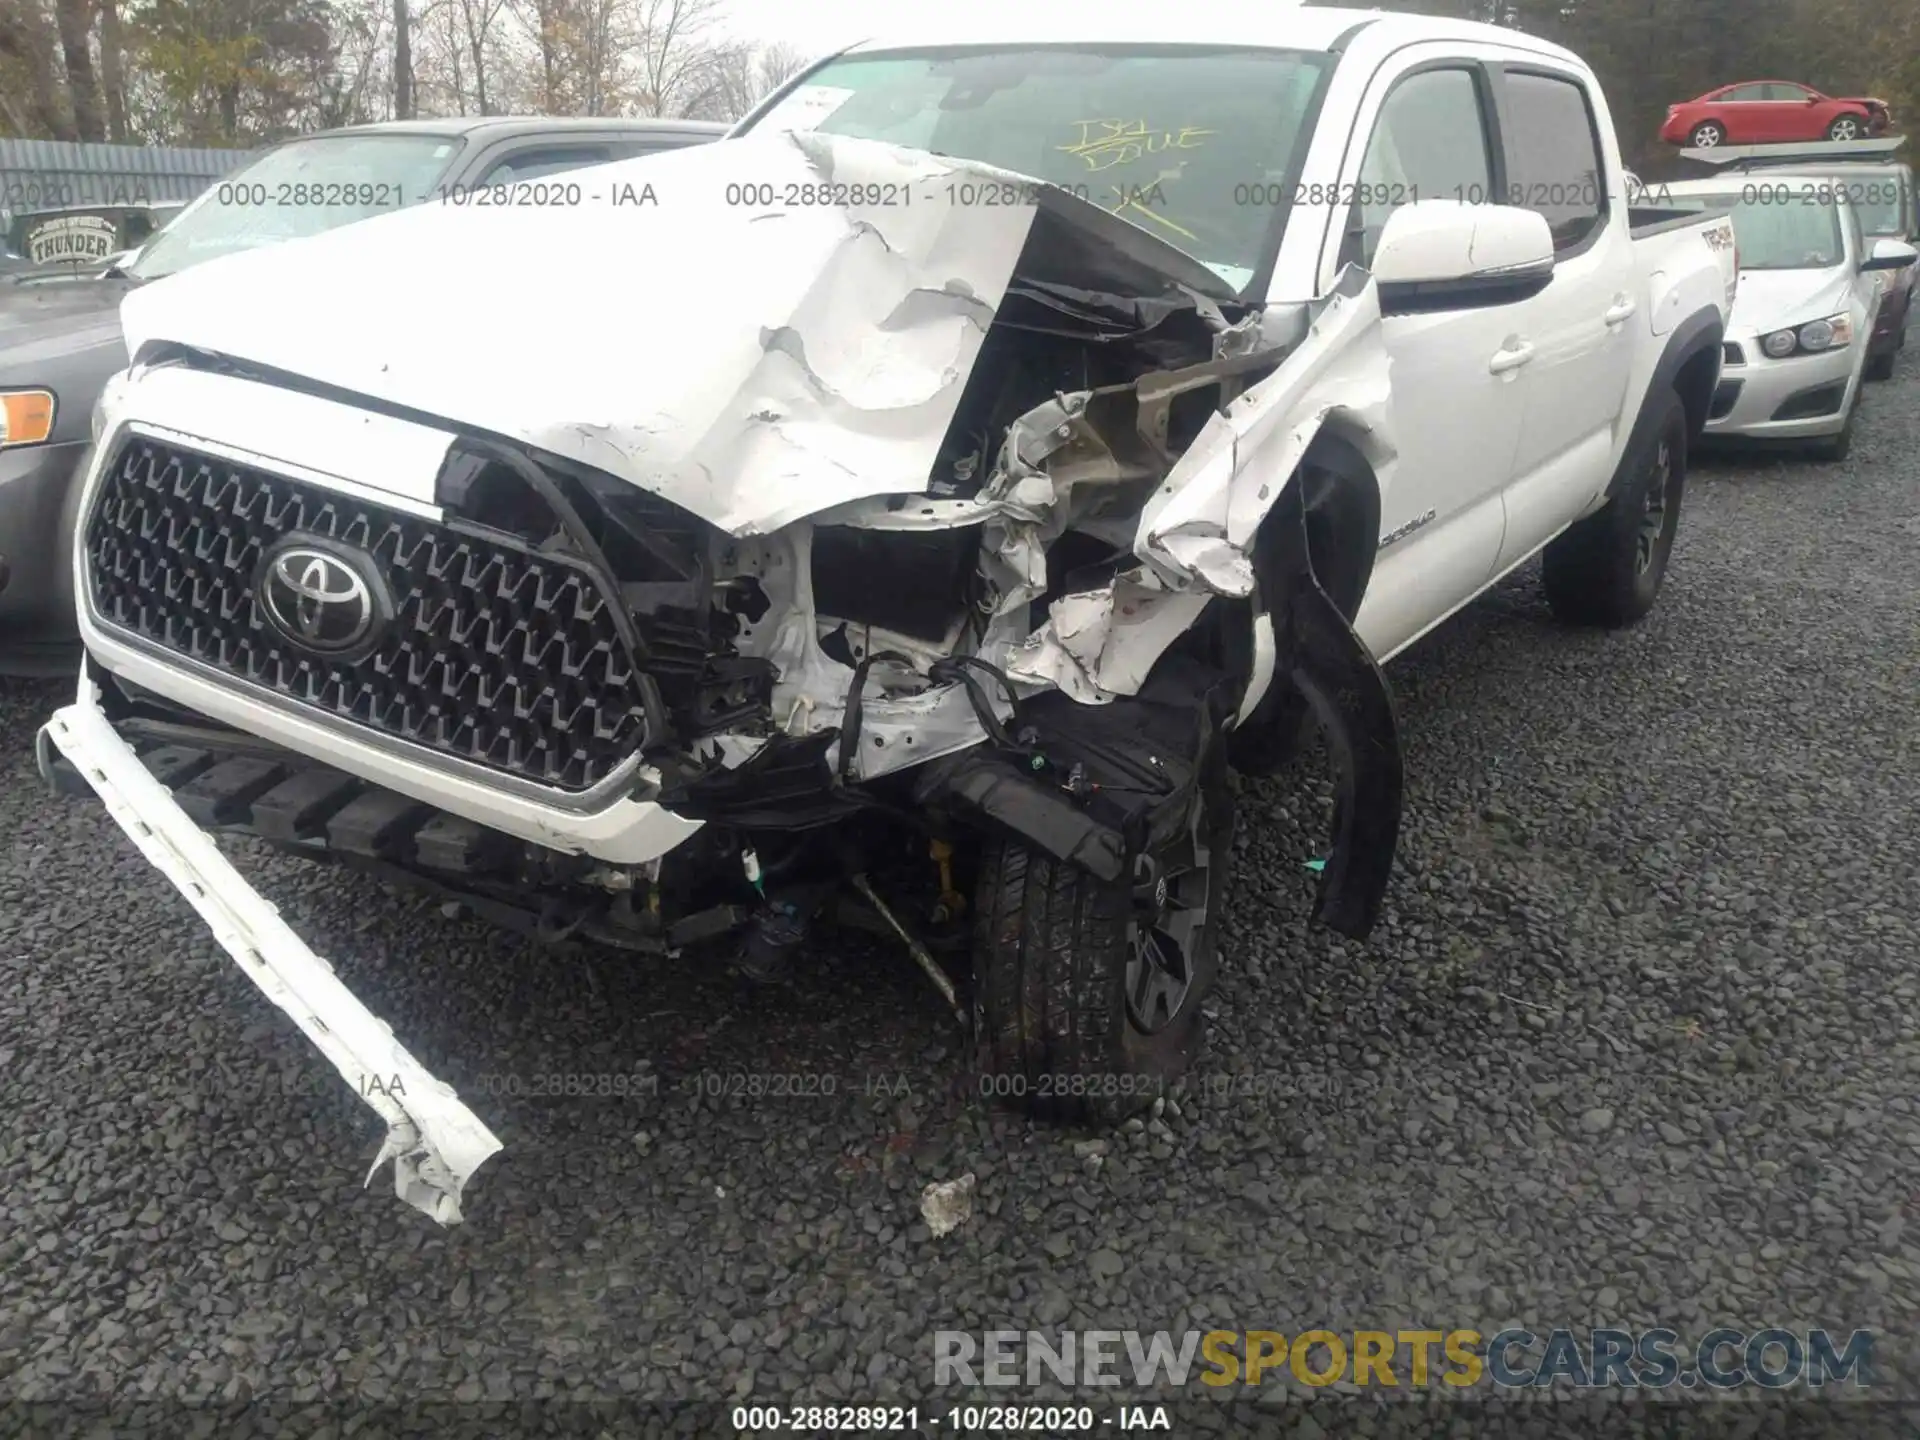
951 491
1810 289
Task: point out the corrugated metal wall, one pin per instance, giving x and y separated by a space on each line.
45 174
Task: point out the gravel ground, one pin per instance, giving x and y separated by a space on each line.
1635 1043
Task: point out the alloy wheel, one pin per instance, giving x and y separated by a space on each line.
1653 515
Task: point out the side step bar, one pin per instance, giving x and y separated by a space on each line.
434 1141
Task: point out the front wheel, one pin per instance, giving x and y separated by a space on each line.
1607 569
1086 996
1707 134
1844 127
1832 449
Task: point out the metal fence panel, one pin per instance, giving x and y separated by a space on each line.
47 174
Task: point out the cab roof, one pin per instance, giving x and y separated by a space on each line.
498 126
1199 23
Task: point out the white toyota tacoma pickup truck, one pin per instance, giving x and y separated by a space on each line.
919 504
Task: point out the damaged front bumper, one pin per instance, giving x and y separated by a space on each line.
434 1141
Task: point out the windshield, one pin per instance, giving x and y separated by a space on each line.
1778 228
295 190
1193 145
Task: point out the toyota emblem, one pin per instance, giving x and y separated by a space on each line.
318 599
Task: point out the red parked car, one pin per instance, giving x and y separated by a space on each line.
1761 112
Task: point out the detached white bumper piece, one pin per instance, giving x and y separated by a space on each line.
434 1141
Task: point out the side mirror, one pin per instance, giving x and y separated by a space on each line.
1451 255
1890 255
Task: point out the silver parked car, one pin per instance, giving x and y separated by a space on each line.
1809 291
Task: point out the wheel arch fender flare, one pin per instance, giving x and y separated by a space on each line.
1690 366
1325 667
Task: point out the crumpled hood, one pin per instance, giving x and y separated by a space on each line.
701 324
1774 299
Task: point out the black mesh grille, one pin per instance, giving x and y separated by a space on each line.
495 656
1732 354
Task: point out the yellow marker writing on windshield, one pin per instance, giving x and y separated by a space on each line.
1104 144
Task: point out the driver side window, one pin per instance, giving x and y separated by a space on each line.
1429 142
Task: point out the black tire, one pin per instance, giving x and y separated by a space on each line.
1832 449
1879 367
1846 127
1707 134
1056 1032
1608 568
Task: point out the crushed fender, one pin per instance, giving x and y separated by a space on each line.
1196 533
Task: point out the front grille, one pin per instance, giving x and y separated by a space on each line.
495 655
1732 354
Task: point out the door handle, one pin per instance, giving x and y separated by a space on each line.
1620 311
1511 356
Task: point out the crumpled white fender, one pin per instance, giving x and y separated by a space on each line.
1196 533
1199 528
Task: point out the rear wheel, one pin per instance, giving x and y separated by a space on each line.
1845 127
1087 994
1607 570
1707 134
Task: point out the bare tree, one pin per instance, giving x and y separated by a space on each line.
340 78
477 17
735 76
32 99
402 62
674 59
75 21
113 71
546 23
776 64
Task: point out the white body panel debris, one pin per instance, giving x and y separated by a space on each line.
434 1141
947 1204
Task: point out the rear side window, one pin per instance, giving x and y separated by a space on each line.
1429 143
654 144
1744 93
533 164
1553 156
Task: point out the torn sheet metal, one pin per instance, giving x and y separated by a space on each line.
434 1141
730 343
1101 643
1198 528
1196 533
904 719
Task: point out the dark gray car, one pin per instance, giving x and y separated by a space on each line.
60 334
